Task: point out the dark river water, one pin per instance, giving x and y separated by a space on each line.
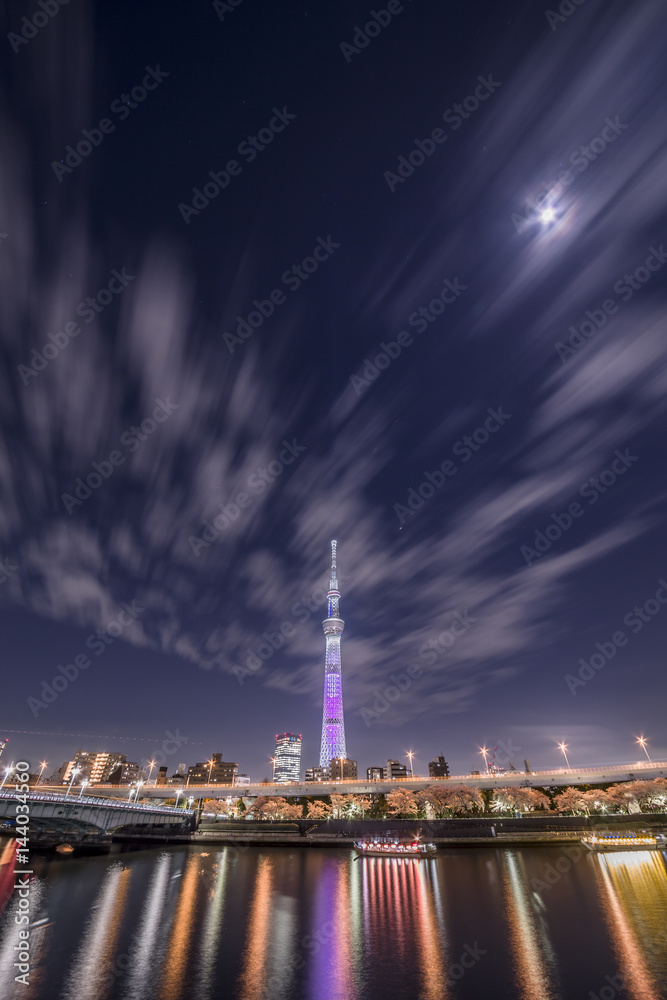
217 922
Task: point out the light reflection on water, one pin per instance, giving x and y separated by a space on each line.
633 887
273 924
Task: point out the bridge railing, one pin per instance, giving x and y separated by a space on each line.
95 800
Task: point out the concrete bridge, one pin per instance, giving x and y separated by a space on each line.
94 814
527 779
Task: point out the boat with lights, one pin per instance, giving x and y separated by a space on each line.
624 842
392 847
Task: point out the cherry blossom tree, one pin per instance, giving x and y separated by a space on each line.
401 802
340 805
518 800
318 810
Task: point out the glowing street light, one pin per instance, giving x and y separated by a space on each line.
83 785
273 776
485 753
151 765
179 792
563 749
409 754
642 743
44 764
8 771
210 766
75 771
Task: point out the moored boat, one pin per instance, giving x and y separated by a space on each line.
392 847
622 842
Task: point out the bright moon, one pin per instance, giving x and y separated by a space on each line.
548 215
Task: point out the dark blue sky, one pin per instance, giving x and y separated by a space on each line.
211 346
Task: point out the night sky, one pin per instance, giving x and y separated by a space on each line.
504 162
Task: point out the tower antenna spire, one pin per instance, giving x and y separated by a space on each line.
333 583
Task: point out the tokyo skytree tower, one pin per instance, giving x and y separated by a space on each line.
333 725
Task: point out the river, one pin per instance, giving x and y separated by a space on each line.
270 923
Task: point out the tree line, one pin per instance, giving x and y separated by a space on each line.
458 800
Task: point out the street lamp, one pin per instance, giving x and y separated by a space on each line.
410 755
151 765
179 791
484 752
273 776
75 771
642 743
563 748
210 766
136 794
8 771
83 785
41 770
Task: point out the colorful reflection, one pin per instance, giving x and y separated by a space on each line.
329 947
89 978
633 887
532 952
401 905
181 931
254 973
142 960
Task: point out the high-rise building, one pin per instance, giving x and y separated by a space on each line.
288 758
340 768
394 769
215 771
374 773
125 773
333 724
93 766
438 768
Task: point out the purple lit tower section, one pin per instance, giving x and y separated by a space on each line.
333 725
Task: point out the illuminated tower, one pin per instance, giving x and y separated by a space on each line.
333 725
